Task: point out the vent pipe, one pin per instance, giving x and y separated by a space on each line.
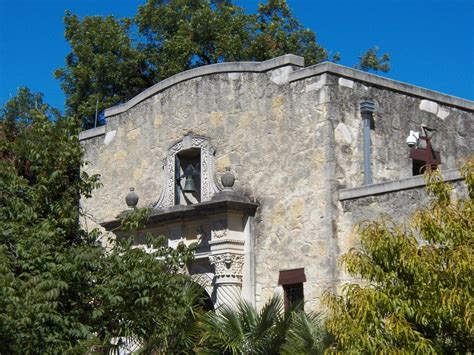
367 109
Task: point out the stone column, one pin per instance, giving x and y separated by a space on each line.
228 278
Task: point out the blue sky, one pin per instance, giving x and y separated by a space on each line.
431 42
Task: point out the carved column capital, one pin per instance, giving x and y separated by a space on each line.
228 267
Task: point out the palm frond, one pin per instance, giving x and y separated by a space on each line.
306 334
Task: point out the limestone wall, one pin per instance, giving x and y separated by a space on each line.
394 206
395 115
293 138
275 144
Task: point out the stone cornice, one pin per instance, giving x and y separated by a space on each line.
190 212
376 80
226 241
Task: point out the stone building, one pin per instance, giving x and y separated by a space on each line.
270 165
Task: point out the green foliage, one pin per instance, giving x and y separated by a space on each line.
111 63
277 32
306 335
39 193
60 290
181 34
416 294
103 65
140 299
370 61
21 110
272 330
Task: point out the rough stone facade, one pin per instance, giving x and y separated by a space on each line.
292 137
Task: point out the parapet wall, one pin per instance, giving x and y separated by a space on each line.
396 201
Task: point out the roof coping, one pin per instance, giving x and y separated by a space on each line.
299 74
256 67
376 80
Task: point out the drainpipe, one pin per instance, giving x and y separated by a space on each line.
367 109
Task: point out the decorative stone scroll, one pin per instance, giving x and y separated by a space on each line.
209 186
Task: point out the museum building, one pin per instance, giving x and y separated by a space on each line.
268 166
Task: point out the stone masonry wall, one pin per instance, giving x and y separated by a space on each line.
396 206
292 142
275 144
395 115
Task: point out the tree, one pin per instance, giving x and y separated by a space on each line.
182 34
416 288
277 32
370 61
272 330
109 67
104 67
60 290
306 335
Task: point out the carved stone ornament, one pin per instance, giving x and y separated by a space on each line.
204 280
208 183
227 265
219 229
228 179
132 198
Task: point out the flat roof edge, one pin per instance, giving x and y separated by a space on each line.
394 186
336 69
256 67
91 133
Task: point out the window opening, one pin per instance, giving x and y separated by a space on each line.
294 296
292 282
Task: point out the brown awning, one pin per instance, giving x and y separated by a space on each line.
294 276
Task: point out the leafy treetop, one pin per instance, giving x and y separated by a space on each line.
113 60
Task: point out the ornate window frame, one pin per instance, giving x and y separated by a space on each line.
209 185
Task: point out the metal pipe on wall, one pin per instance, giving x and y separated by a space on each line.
367 109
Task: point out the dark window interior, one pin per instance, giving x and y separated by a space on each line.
292 282
418 167
294 296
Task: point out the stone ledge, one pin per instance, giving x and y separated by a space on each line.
393 186
91 133
256 67
191 212
354 74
